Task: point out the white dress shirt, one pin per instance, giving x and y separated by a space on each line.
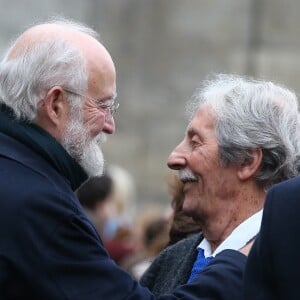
238 237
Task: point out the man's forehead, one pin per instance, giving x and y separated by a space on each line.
45 32
203 117
34 35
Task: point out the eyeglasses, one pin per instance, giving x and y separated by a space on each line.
109 108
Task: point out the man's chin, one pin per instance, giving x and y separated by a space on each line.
101 138
191 212
84 149
92 160
92 170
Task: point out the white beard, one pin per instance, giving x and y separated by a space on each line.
92 160
84 149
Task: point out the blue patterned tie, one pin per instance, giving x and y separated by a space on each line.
199 265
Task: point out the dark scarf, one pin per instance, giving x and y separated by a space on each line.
43 144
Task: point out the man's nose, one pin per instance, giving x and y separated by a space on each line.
109 126
177 159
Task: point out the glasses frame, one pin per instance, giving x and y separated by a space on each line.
109 109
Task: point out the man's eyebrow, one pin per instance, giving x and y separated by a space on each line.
191 131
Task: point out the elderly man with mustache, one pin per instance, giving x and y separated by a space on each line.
243 137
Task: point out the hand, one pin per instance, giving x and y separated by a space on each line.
246 249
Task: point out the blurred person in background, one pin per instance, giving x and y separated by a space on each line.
95 197
103 203
123 200
119 230
151 236
243 137
182 225
57 96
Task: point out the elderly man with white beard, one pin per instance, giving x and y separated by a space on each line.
57 96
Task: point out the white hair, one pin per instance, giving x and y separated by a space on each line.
26 78
252 114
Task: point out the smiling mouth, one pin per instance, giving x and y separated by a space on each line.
188 180
186 185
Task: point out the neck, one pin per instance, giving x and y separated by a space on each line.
218 227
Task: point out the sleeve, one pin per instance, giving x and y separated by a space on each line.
79 267
66 260
273 266
61 256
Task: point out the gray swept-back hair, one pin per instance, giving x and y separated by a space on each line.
26 78
253 114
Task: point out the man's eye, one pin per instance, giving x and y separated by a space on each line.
194 143
103 106
106 104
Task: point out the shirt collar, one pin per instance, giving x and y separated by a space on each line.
238 237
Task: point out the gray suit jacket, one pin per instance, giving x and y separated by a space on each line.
173 266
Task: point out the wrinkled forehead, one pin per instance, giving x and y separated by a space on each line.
202 109
204 117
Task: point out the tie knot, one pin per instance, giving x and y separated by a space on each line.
199 264
201 256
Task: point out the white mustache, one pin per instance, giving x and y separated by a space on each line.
187 175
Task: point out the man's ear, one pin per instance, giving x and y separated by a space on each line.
55 106
250 165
